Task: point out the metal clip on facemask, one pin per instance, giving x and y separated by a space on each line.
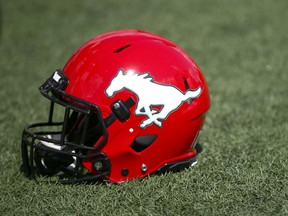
58 81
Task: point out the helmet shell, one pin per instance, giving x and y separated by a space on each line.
161 63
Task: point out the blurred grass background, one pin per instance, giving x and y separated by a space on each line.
241 47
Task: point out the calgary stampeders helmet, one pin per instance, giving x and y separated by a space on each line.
133 103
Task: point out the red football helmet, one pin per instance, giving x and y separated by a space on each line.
134 104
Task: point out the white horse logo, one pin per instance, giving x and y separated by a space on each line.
150 94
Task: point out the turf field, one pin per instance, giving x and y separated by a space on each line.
242 48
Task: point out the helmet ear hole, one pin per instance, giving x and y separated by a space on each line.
142 142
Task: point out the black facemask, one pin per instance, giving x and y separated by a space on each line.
58 148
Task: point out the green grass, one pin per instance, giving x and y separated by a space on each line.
241 47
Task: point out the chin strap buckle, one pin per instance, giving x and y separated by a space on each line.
120 110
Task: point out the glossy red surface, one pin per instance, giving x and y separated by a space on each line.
98 61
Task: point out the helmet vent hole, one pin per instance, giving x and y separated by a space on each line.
118 50
187 88
186 83
142 142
